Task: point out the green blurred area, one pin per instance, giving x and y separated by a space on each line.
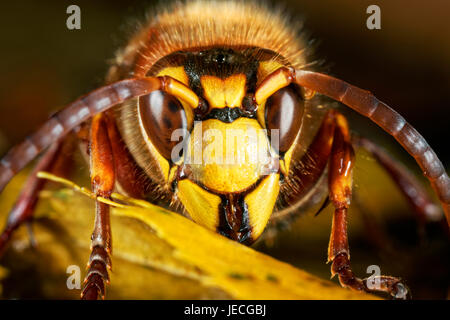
43 66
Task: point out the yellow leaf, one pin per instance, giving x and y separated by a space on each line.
157 254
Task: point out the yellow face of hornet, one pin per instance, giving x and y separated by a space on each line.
228 162
224 164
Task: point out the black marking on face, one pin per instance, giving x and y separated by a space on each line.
234 219
222 63
227 114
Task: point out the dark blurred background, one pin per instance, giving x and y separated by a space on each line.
43 66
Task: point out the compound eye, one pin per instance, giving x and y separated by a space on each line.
284 111
161 115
